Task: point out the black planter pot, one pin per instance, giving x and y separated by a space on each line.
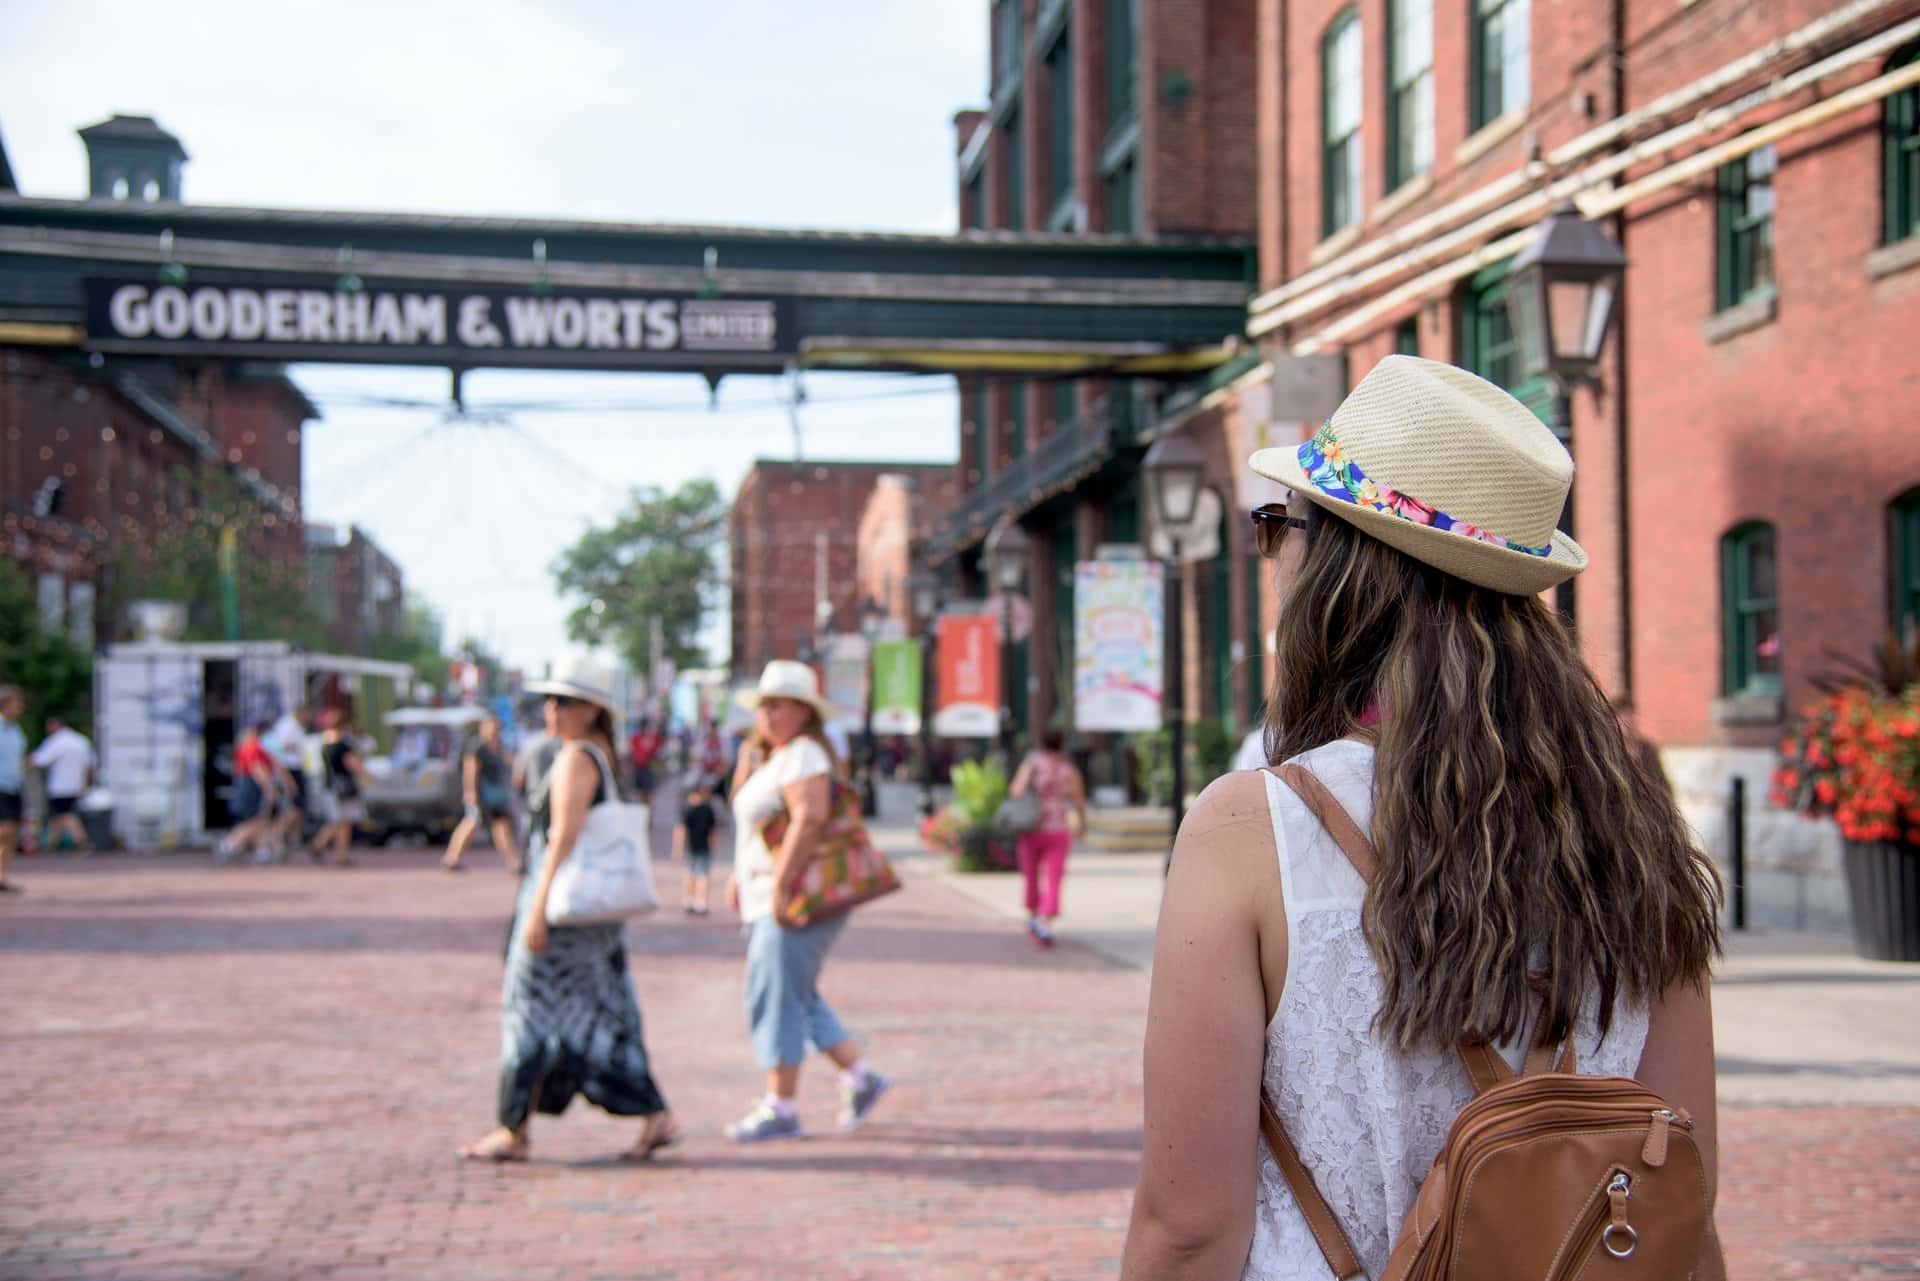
1883 885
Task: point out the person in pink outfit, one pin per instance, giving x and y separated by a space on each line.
1062 795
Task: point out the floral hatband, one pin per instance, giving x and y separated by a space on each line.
1336 475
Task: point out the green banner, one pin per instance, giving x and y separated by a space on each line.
896 687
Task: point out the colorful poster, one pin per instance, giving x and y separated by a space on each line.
1119 644
896 687
969 657
846 679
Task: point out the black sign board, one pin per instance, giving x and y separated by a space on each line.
385 321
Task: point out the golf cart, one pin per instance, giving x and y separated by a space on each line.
416 788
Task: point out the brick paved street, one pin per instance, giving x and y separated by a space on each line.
263 1072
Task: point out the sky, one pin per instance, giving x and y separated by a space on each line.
830 113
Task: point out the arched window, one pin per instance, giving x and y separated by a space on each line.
1901 166
1340 123
1904 525
1750 610
120 189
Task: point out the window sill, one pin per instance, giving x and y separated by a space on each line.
1742 317
1888 260
1402 196
1488 136
1336 244
1749 709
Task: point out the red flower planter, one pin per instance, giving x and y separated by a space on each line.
1883 886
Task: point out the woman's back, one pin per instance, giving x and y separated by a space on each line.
1366 1117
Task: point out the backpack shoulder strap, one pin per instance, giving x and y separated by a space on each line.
1313 1207
1333 816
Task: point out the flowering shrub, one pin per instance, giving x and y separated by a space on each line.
1855 758
939 833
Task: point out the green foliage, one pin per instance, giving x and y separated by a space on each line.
180 561
656 560
55 674
1209 753
416 643
979 789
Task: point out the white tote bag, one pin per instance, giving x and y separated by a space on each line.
609 875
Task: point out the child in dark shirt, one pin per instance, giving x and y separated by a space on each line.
693 845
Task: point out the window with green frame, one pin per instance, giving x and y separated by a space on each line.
1500 40
1406 337
1905 528
1016 420
1743 229
1901 130
1009 40
1122 62
1749 611
1066 404
1118 186
1487 345
974 194
981 429
1014 156
1340 164
1409 90
1060 120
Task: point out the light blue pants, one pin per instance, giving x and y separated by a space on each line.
784 1005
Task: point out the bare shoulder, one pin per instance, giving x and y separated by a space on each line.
1229 830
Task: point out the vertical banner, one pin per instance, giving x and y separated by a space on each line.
1119 611
969 657
896 687
846 679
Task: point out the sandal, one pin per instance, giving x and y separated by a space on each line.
647 1146
499 1146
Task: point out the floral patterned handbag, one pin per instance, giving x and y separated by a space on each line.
848 870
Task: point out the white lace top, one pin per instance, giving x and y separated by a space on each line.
1367 1120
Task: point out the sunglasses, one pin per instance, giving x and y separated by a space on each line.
1271 521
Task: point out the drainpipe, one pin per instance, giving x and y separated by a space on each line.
1617 32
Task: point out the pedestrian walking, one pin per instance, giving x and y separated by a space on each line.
250 802
66 756
693 847
1488 874
1056 784
643 752
286 743
570 1023
340 760
487 785
13 780
787 765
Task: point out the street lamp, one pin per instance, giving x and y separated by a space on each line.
1561 293
1008 552
923 597
871 615
1174 470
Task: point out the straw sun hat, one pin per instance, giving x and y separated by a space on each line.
784 678
1446 467
578 676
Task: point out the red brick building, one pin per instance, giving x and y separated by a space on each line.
357 589
1749 464
1121 118
793 542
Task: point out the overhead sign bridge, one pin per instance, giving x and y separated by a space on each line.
194 280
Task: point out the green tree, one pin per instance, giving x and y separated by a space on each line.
180 561
657 560
55 674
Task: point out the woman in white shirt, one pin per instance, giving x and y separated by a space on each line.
787 764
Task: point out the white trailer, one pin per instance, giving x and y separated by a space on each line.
168 714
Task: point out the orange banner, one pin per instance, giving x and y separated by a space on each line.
969 686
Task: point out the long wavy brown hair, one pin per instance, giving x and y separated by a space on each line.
1527 856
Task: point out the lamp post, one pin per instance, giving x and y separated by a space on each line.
923 597
1008 552
1561 292
1174 470
870 615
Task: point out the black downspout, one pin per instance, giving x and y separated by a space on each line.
1617 57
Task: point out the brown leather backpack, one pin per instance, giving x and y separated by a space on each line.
1544 1175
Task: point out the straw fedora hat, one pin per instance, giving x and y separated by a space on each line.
1446 467
784 678
578 676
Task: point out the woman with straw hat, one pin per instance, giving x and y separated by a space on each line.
570 1023
788 765
1532 883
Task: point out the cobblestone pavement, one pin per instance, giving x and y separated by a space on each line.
263 1073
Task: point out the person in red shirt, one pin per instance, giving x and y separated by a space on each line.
644 748
251 802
